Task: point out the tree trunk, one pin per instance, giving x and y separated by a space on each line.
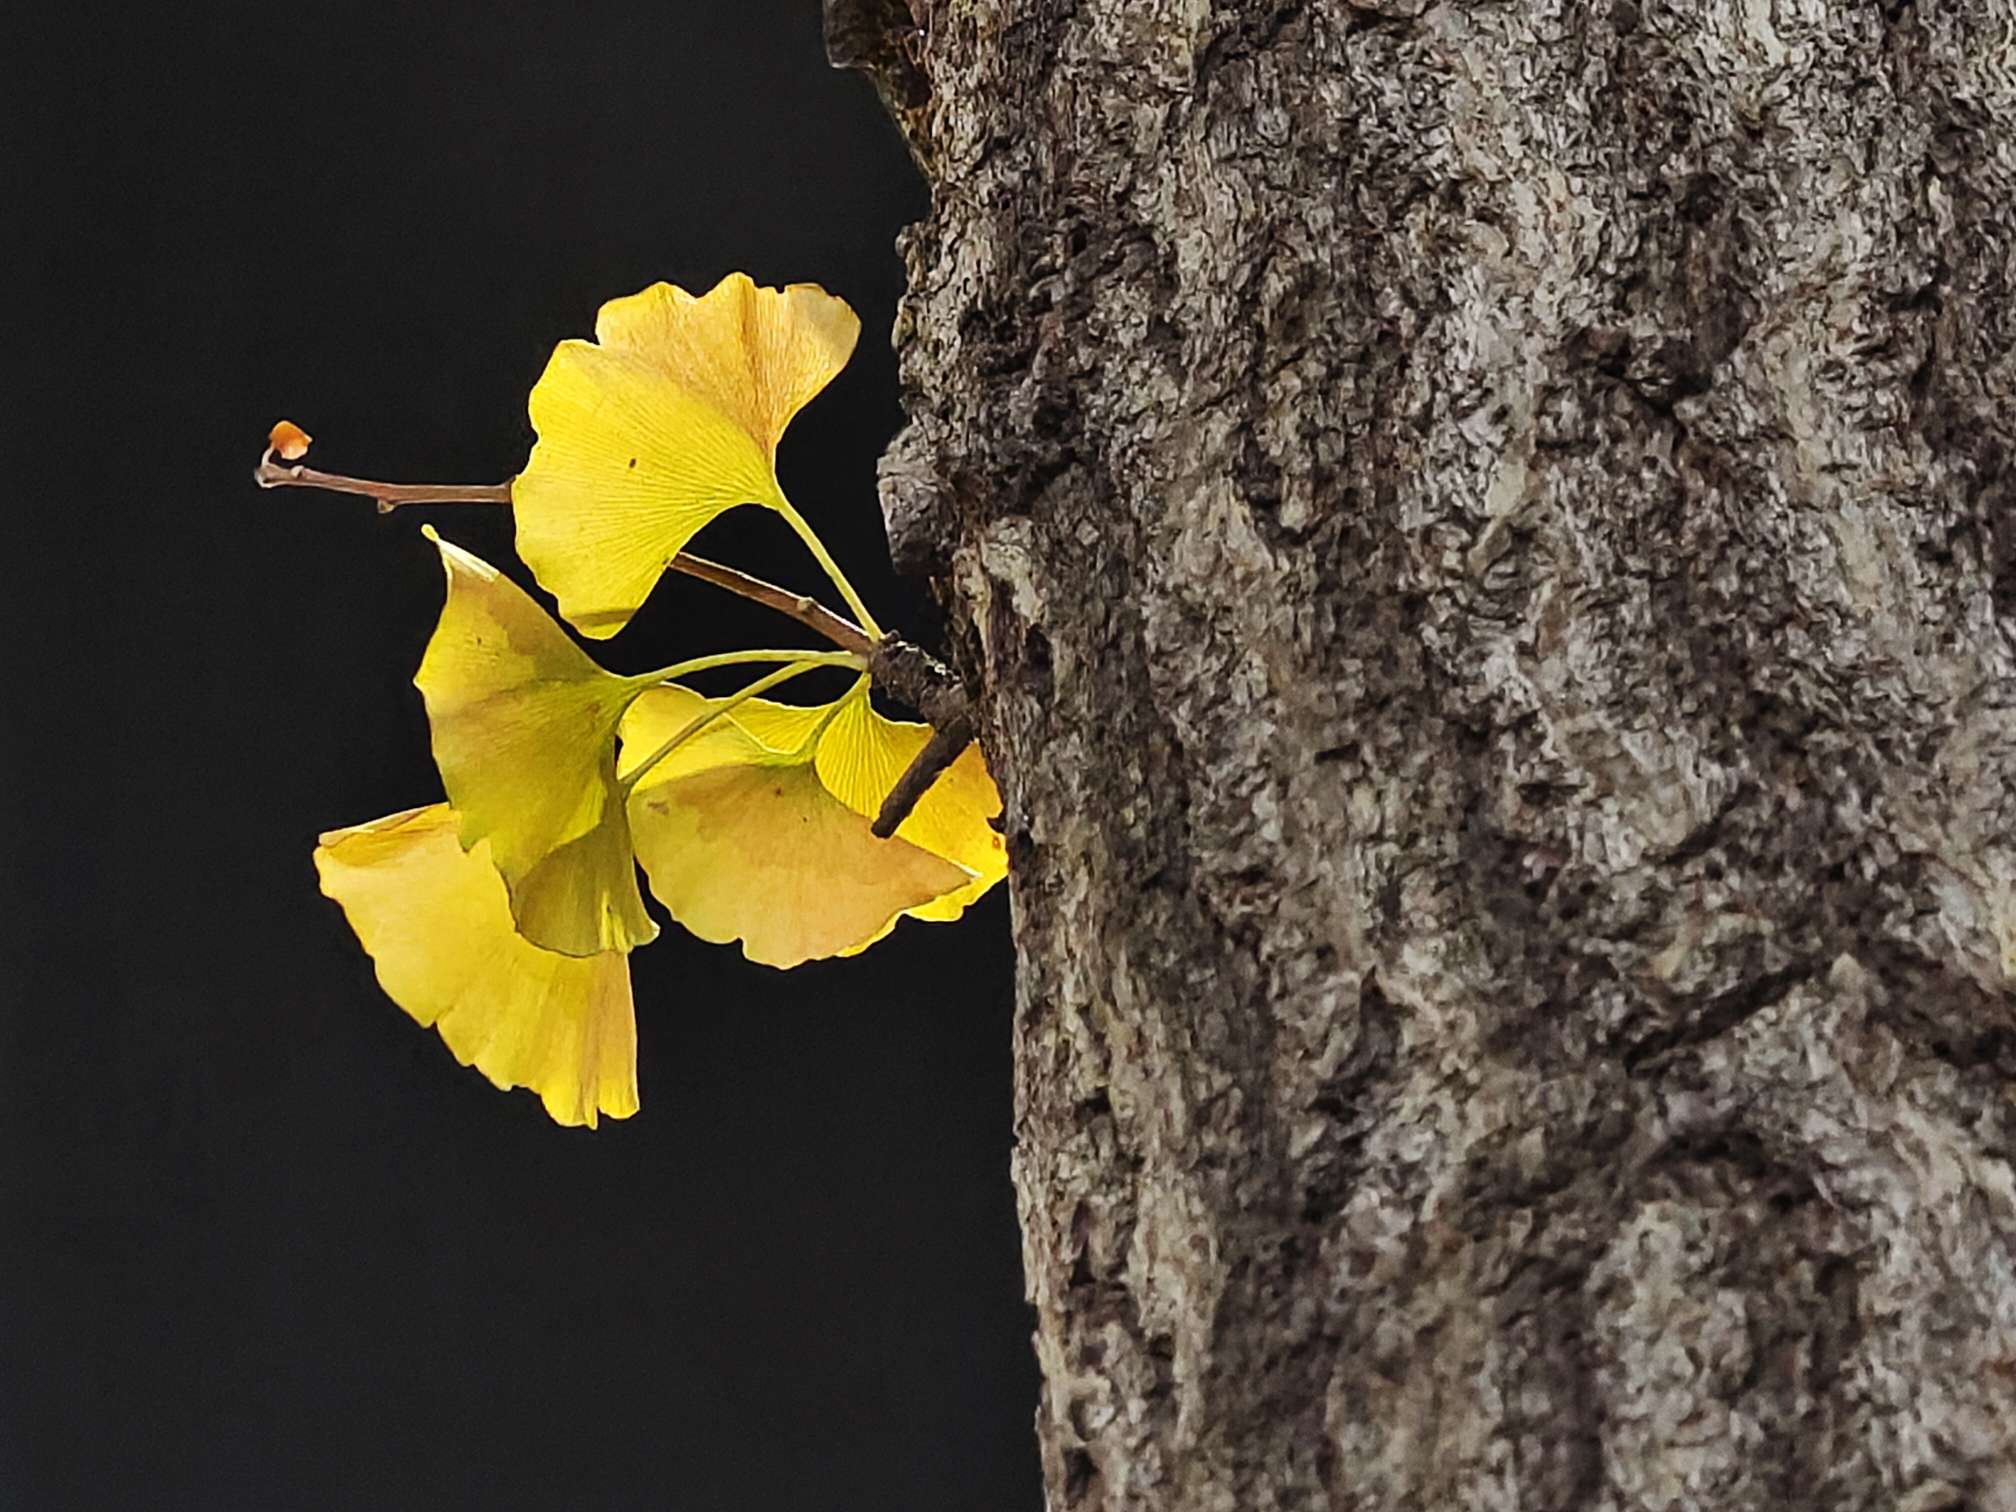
1482 536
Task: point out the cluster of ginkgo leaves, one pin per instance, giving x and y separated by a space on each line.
504 916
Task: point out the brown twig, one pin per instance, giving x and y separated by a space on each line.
940 751
929 687
271 474
808 611
906 671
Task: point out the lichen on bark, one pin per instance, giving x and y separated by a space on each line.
1482 540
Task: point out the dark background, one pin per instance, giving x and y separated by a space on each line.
263 1244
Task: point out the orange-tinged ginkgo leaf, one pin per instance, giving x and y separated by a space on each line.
437 925
764 854
671 416
523 728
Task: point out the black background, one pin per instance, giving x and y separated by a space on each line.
264 1244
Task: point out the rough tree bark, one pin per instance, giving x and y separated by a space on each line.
1482 535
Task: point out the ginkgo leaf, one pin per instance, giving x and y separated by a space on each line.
523 728
758 355
437 925
796 839
671 416
860 757
764 854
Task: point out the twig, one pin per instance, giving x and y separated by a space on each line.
931 688
808 611
271 474
906 671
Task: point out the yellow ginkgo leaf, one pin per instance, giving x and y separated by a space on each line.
764 854
857 759
524 730
671 416
758 355
437 925
860 757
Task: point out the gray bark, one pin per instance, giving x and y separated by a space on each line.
1482 538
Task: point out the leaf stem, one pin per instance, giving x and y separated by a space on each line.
761 685
743 659
825 560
